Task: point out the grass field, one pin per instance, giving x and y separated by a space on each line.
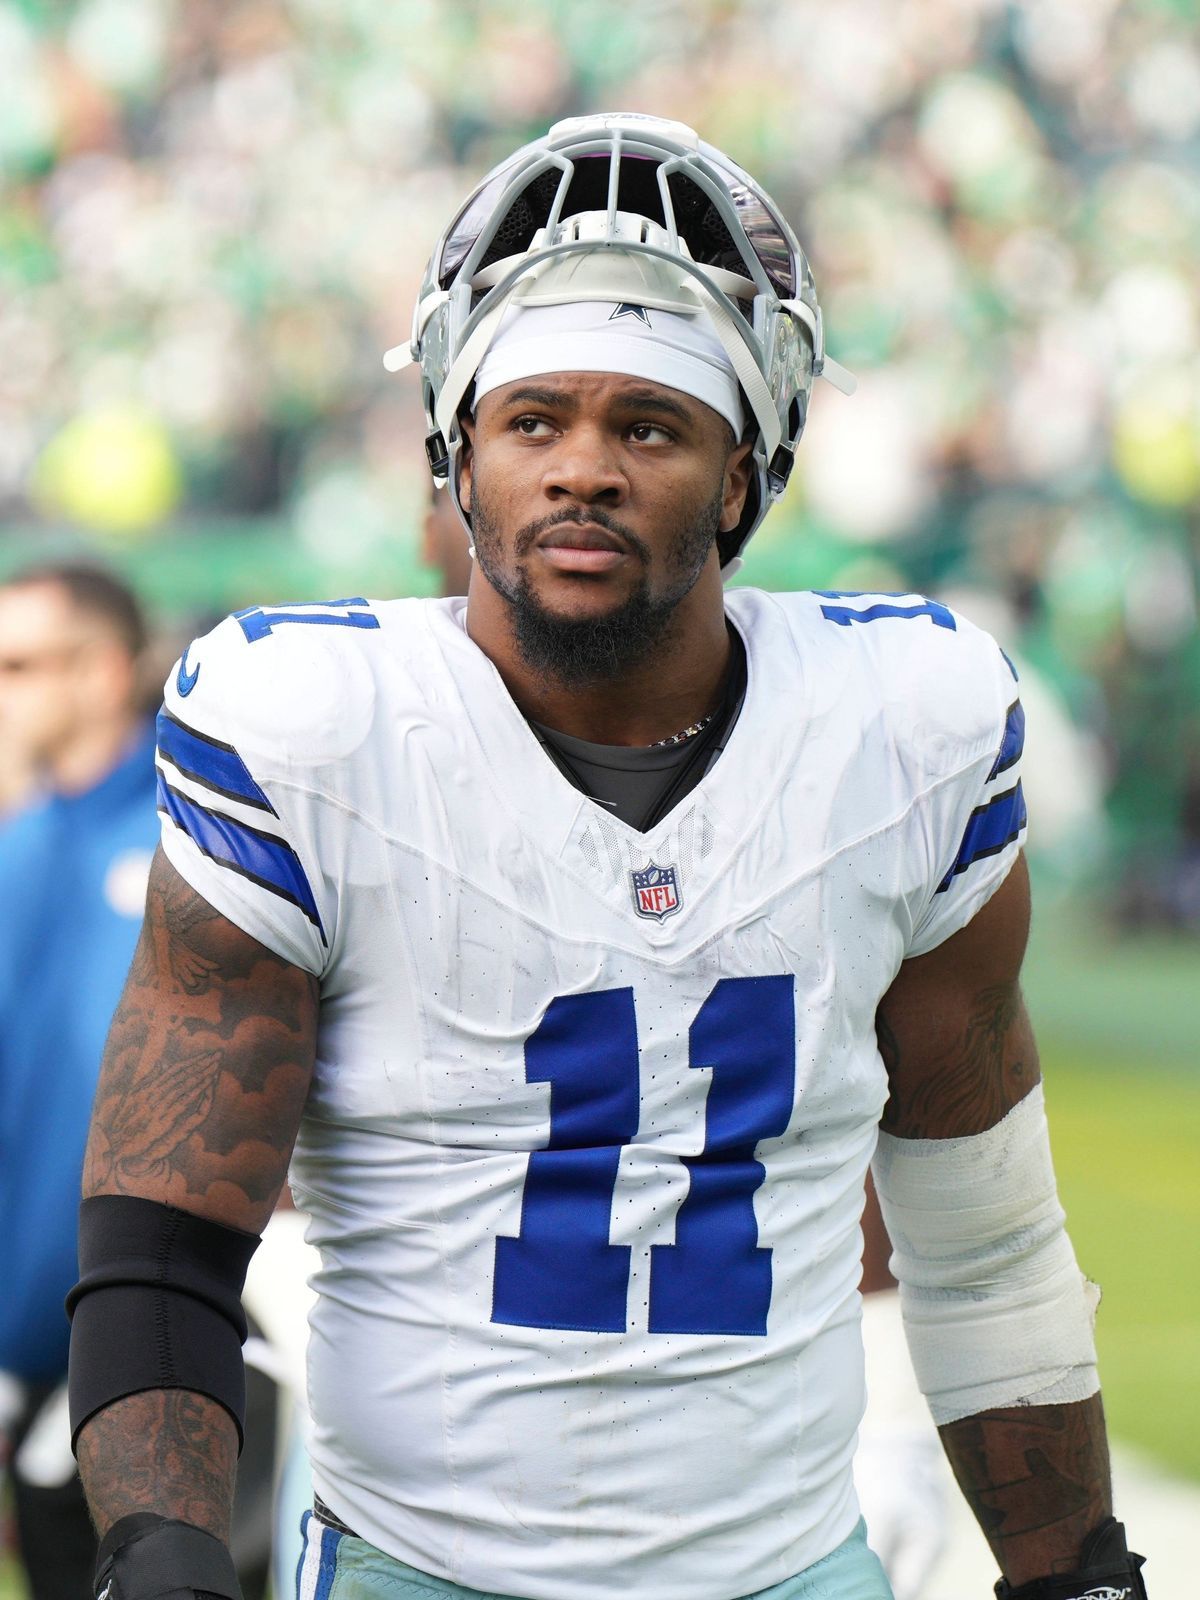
1119 1025
1126 1138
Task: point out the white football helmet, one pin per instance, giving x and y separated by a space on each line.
662 219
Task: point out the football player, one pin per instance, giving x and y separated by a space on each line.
580 943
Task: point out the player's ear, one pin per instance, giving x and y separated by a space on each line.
737 484
466 459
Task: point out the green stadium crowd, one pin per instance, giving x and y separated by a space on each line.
213 217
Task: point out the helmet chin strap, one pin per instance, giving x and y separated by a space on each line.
465 365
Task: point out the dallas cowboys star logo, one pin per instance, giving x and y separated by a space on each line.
639 312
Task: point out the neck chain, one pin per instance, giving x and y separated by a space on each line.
684 734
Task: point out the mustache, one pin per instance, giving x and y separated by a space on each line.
596 517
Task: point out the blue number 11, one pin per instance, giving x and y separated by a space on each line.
561 1271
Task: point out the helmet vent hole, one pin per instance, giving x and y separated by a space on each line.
524 217
699 222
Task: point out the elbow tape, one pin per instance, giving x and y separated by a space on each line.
996 1311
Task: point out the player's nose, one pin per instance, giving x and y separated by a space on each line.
585 466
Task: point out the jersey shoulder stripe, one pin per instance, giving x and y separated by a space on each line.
991 827
1012 746
262 857
209 762
948 724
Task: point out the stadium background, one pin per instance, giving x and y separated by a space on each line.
213 217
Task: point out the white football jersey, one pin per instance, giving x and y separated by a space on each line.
585 1147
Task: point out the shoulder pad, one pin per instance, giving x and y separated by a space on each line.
274 681
947 673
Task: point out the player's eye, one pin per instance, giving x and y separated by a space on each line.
650 433
530 427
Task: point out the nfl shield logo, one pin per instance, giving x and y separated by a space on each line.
655 892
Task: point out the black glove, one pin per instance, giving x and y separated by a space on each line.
146 1557
1108 1570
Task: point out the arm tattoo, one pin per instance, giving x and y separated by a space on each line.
177 1454
1037 1480
970 1074
206 1068
203 1081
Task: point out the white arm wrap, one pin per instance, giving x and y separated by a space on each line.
996 1311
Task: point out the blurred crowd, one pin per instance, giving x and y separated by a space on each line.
214 216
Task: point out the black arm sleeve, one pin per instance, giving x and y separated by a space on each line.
157 1306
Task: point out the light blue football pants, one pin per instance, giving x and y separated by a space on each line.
336 1566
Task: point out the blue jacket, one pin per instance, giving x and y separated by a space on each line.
72 878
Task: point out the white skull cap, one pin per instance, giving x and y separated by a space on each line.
613 312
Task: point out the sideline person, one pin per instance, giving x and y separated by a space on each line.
74 858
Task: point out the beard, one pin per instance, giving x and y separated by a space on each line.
577 652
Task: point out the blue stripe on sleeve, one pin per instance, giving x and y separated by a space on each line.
209 761
1013 742
264 859
990 829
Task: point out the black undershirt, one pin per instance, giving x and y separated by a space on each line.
641 783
